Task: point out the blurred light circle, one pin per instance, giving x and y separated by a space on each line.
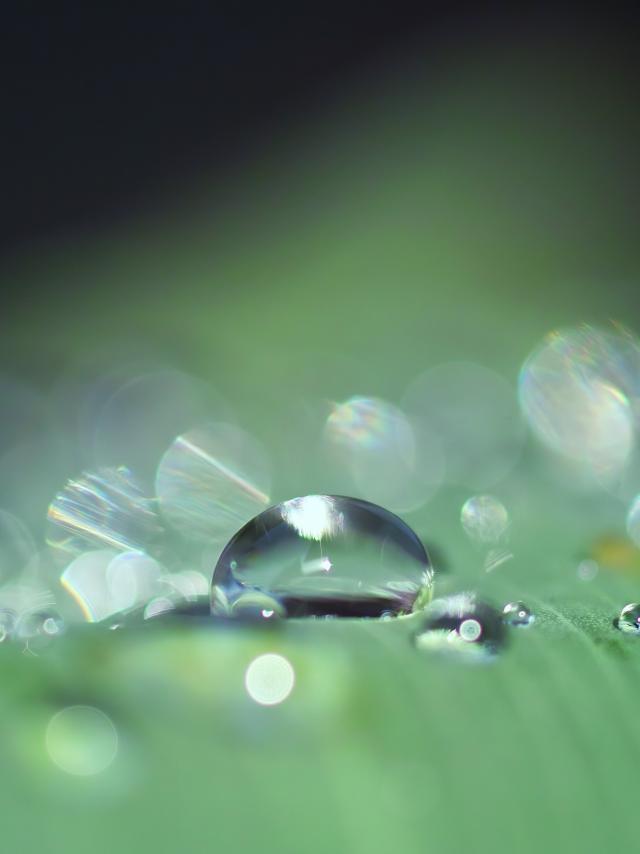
390 459
132 578
633 520
103 508
579 393
141 417
81 740
474 413
269 679
484 519
212 480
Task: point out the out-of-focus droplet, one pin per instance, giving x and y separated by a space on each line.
461 626
517 614
38 629
579 392
8 620
269 679
484 519
629 619
81 741
142 416
474 413
587 570
325 555
212 480
102 509
633 520
104 582
132 578
389 458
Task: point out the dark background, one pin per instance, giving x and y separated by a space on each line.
106 110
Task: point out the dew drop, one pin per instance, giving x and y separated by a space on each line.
517 614
323 555
629 619
484 519
461 626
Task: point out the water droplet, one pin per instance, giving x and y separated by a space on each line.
388 457
517 614
103 509
578 391
325 555
256 605
211 480
8 619
629 619
461 626
633 520
484 519
38 629
587 570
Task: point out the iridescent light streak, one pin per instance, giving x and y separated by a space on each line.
232 476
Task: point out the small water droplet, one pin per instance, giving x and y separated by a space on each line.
323 555
517 614
484 519
629 619
587 570
463 627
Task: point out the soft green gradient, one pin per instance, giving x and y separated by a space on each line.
413 223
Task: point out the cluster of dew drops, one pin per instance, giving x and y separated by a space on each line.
579 393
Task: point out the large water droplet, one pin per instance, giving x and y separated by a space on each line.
517 614
463 627
324 555
629 619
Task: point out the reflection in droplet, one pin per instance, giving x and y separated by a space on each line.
269 679
256 605
106 508
629 619
212 480
517 614
484 519
325 555
390 459
461 626
81 740
579 393
474 413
